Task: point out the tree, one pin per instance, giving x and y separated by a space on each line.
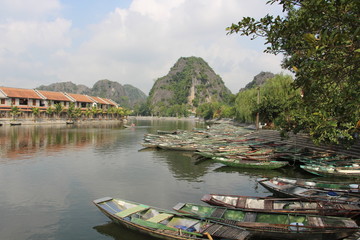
71 111
277 95
36 112
14 112
320 41
58 109
49 111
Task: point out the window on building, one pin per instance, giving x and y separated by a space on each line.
23 101
83 105
13 101
56 102
34 102
42 103
3 101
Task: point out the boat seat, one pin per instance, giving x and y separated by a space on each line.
160 217
132 210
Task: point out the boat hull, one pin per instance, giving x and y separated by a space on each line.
275 225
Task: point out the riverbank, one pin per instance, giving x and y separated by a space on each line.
11 122
164 118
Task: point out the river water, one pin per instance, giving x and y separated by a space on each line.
49 176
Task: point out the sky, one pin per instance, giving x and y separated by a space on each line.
127 41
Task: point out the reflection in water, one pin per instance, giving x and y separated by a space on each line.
117 232
182 165
280 172
25 141
49 196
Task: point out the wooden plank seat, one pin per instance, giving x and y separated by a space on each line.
132 210
160 217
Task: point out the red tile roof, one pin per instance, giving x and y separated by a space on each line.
20 93
99 100
110 101
57 96
80 97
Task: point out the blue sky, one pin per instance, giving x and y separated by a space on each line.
127 41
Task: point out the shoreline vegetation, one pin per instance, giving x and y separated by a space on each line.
41 121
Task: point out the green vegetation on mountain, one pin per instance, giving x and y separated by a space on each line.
190 83
126 96
320 41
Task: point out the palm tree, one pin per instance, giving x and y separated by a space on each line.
95 111
71 111
88 112
14 112
49 111
36 112
58 109
77 113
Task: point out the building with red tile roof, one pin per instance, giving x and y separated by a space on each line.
26 99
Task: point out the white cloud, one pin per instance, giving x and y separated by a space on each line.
28 9
139 44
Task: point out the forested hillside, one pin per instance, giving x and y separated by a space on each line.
189 83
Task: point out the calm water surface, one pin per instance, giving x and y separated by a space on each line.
49 176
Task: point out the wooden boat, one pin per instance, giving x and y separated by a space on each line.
353 188
351 171
286 189
167 132
276 225
283 205
15 123
165 224
249 163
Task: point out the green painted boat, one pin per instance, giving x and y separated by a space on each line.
290 189
276 225
165 224
351 187
351 171
249 163
283 205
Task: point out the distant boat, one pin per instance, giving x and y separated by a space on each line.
70 122
350 171
283 205
249 163
15 123
290 189
165 224
353 188
168 132
276 225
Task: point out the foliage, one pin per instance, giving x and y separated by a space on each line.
276 98
320 41
58 109
71 111
49 111
245 105
35 111
215 110
14 112
142 109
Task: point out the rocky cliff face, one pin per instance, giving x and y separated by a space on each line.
259 80
190 81
126 96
